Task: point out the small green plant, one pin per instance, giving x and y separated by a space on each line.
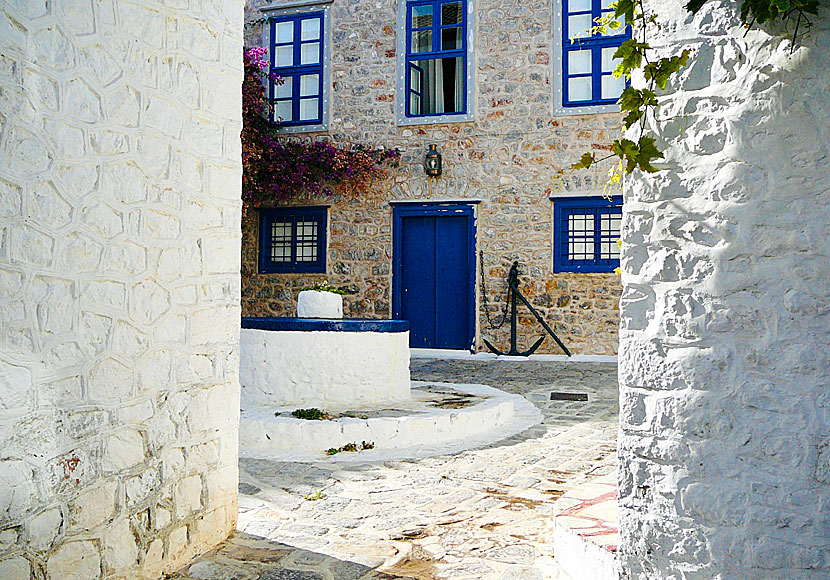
351 448
317 495
311 414
325 287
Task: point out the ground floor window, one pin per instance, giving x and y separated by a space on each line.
292 239
586 234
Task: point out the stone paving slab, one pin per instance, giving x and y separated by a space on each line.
483 514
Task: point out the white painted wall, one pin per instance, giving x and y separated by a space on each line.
329 370
119 284
725 340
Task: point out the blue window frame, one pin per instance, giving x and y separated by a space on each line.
586 231
292 239
297 55
435 67
587 59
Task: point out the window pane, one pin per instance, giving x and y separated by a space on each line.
285 56
310 29
415 78
285 32
607 3
451 39
310 53
309 85
582 5
283 111
284 90
579 26
579 89
609 63
306 230
579 62
612 87
422 16
414 104
309 109
443 85
451 13
421 41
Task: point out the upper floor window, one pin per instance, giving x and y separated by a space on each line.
585 63
436 68
586 233
292 239
299 54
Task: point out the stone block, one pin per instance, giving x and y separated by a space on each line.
119 546
15 568
44 528
17 491
93 507
123 450
79 560
188 495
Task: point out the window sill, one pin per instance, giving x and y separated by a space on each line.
435 120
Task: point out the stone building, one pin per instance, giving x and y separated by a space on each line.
490 93
119 285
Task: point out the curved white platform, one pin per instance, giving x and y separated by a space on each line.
419 431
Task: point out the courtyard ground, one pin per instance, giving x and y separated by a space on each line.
483 514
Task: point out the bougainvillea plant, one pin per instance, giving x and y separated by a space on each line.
638 104
275 168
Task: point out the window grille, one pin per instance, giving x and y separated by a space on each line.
293 239
586 232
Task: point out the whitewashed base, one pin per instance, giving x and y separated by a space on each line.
421 434
330 370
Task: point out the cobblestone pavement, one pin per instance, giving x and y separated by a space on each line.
484 514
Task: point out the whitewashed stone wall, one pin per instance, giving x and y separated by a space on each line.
119 284
725 338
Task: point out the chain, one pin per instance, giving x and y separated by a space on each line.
493 325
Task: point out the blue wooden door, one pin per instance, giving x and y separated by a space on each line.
435 275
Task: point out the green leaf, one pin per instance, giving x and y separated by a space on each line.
631 55
694 5
585 161
626 8
648 151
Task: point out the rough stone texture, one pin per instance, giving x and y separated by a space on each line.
114 388
508 158
725 337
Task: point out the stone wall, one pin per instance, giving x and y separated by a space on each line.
724 450
508 158
119 284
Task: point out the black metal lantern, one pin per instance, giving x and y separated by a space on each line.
432 163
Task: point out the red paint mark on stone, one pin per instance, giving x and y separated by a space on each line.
390 53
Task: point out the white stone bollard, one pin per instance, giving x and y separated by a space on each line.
316 304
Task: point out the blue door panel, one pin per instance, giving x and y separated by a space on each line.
452 273
418 280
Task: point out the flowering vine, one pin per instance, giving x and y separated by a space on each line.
275 168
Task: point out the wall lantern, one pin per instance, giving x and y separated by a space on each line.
432 163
